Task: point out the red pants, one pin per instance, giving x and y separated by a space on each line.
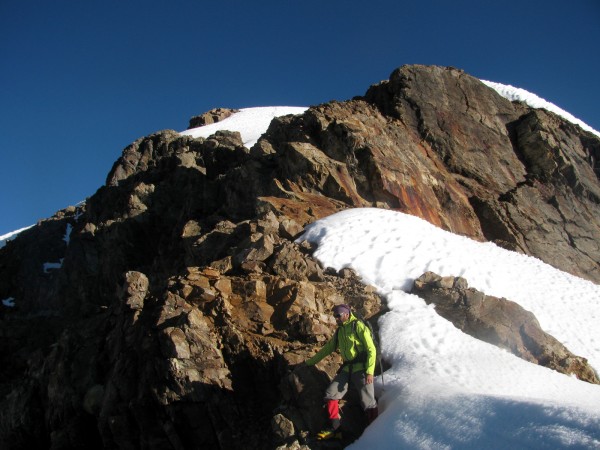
333 409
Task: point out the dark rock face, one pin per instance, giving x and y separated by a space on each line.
181 299
500 322
519 180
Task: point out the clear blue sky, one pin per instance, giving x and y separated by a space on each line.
82 79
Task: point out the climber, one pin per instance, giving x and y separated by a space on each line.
354 342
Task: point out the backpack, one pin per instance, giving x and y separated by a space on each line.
362 357
369 326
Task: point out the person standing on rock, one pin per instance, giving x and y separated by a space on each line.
354 342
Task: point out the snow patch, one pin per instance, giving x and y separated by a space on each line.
48 266
517 94
252 123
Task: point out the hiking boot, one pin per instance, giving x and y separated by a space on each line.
371 414
329 433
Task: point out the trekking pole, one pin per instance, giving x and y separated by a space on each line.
381 369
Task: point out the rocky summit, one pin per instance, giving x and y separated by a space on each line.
169 310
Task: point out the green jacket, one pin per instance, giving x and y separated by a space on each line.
350 344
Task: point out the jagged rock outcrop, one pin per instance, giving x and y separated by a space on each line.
171 315
192 360
500 322
212 116
436 143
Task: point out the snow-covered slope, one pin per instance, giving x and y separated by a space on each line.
517 94
446 389
6 237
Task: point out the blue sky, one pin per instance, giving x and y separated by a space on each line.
80 80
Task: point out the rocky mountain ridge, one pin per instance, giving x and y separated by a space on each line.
182 300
